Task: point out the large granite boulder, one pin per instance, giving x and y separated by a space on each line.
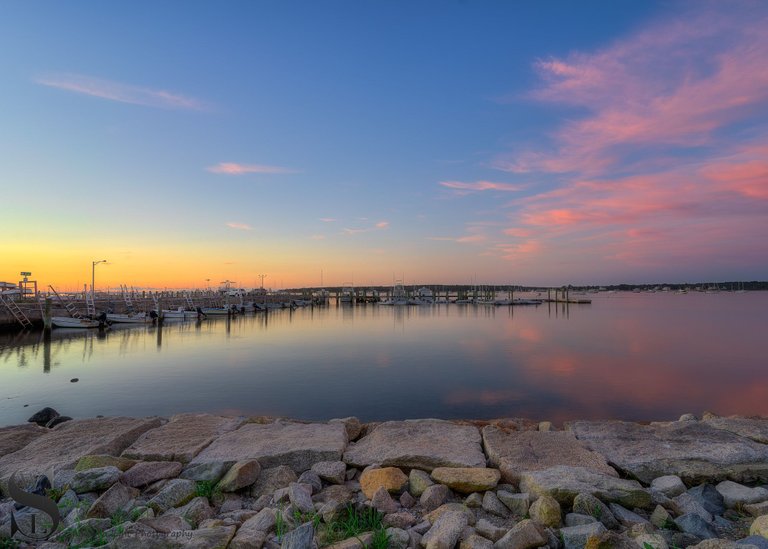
63 446
297 445
515 452
422 444
182 438
564 483
695 451
17 436
753 428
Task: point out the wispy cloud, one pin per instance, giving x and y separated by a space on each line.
118 91
327 219
239 226
377 227
232 168
317 237
463 188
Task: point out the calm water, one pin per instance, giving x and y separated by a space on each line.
631 356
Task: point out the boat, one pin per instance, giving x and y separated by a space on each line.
347 295
521 301
69 322
179 314
128 318
399 296
218 311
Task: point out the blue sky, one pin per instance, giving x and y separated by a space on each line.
432 140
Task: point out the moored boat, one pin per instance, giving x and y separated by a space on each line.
69 322
128 318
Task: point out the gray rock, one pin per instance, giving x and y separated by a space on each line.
577 519
546 512
182 438
398 538
301 537
196 511
758 541
312 479
660 517
564 483
686 504
709 497
445 532
434 496
524 535
352 426
217 537
16 437
272 479
383 502
625 516
575 537
517 503
423 444
669 485
757 509
474 501
175 493
493 505
402 519
489 530
166 524
407 500
737 494
692 523
83 532
418 481
63 446
208 472
253 532
755 429
114 499
147 472
688 417
451 507
240 475
301 497
331 471
94 480
296 445
515 452
695 451
587 504
475 542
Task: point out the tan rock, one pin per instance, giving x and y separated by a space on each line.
93 462
546 511
17 436
390 478
182 438
63 446
467 479
516 452
759 527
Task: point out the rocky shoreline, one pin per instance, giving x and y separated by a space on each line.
199 480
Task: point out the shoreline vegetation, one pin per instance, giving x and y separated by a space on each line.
201 480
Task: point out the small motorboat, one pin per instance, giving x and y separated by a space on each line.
128 318
69 322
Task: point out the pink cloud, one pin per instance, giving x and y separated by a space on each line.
327 219
382 224
664 161
117 91
477 186
232 168
239 226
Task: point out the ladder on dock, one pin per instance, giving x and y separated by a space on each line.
16 311
68 305
90 304
127 299
190 303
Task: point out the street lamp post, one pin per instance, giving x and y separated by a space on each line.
93 278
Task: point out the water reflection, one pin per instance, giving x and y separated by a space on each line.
627 356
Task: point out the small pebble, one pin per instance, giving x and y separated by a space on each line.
74 380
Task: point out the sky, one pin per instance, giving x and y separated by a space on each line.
334 142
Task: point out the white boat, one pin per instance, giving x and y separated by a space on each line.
69 322
347 295
179 314
519 301
399 296
128 318
220 311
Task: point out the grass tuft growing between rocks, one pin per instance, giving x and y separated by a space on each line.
352 523
207 489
